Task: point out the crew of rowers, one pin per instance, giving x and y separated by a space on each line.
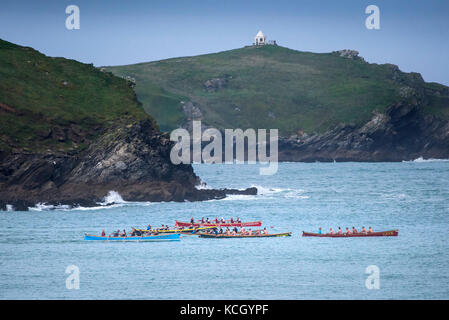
216 220
354 230
235 231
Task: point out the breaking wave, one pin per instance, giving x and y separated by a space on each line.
112 200
421 159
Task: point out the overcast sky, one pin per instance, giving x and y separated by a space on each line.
414 34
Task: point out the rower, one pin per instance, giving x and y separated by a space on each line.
363 230
103 233
236 230
319 230
221 231
123 233
202 220
238 220
216 220
348 231
149 227
192 221
116 233
207 220
250 232
265 231
370 230
232 220
354 230
339 231
223 220
331 231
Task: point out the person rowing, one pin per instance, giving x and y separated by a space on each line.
250 232
331 231
339 231
363 230
232 220
202 220
149 227
236 230
192 221
103 233
221 231
370 230
348 231
216 220
123 233
265 231
116 233
319 230
207 220
223 220
238 220
354 230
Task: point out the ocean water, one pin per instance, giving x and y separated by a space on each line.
37 246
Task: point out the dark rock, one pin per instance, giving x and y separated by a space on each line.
403 132
133 160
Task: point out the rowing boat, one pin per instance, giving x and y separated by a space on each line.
390 233
219 224
183 231
165 237
222 236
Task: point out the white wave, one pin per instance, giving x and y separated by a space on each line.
202 186
46 207
285 192
245 197
421 159
9 207
111 198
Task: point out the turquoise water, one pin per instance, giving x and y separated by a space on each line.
37 246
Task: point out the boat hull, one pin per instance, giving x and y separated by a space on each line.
187 231
390 233
165 237
223 236
213 224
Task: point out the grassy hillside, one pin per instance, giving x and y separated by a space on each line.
269 87
57 103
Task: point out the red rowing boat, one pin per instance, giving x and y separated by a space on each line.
219 224
390 233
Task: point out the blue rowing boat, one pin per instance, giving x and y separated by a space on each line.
163 237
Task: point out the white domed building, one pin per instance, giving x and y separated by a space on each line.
260 39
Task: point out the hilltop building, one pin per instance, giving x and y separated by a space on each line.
260 39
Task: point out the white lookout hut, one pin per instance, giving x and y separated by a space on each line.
260 39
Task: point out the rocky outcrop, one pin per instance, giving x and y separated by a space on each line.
133 160
215 84
347 53
403 132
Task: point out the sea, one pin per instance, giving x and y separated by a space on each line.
43 254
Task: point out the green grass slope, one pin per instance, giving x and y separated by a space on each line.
269 87
57 103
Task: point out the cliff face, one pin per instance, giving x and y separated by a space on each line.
403 132
133 160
